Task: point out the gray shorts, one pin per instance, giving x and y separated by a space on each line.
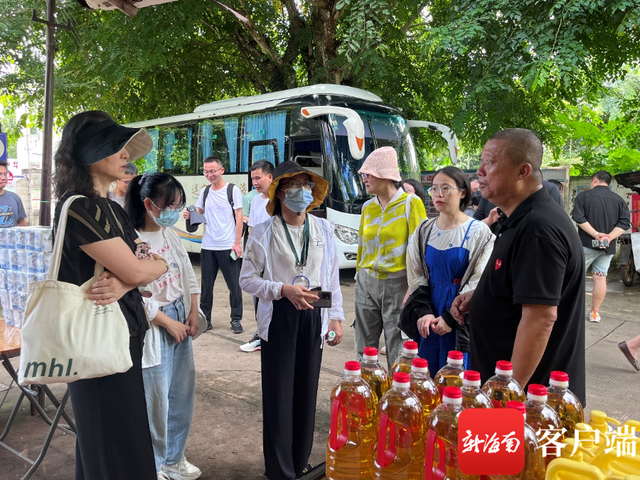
599 261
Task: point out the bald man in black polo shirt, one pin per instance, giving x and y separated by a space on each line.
529 304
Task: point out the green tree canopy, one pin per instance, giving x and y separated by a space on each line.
477 65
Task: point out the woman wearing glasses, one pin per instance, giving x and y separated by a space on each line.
289 258
387 222
446 257
153 203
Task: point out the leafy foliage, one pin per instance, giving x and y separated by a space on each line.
477 65
515 63
605 136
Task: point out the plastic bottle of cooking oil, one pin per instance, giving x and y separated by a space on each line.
424 388
399 451
441 457
404 361
472 394
374 373
545 422
502 387
352 432
451 374
564 402
533 462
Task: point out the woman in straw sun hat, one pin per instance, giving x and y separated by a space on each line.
387 222
289 258
110 412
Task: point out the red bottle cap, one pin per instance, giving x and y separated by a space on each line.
472 375
410 345
455 355
452 395
471 378
371 351
504 367
537 392
517 405
352 365
401 380
559 376
420 363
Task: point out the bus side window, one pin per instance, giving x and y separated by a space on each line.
308 154
219 138
173 151
260 127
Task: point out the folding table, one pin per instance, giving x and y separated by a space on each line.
10 344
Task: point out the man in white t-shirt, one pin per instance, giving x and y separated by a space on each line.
221 242
261 176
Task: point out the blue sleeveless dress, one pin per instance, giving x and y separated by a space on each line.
446 269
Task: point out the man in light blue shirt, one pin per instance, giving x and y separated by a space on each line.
12 212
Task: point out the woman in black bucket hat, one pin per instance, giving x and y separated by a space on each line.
113 434
289 258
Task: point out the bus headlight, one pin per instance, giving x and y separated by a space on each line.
346 234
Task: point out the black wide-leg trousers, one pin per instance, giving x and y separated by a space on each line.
291 361
114 442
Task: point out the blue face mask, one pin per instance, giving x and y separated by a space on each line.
298 199
168 217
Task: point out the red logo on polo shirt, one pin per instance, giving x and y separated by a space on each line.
498 264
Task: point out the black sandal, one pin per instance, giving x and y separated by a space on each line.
625 350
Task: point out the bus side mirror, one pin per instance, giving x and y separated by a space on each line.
353 124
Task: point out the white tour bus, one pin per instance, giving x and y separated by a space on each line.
329 129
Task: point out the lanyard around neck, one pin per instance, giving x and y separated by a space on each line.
302 260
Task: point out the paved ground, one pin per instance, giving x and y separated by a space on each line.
226 435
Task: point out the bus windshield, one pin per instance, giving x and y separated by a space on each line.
381 130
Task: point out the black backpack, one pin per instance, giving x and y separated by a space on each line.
245 229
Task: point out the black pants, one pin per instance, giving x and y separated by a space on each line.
113 442
210 262
290 371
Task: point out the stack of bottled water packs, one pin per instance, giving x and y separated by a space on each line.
25 256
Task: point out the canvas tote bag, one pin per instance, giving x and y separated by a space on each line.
65 336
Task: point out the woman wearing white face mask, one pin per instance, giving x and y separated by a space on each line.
288 259
153 203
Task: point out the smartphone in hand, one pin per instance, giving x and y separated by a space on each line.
324 299
233 255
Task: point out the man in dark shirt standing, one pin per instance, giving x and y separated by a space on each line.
529 304
602 217
487 213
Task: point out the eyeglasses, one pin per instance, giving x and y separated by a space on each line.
211 172
365 176
4 175
170 207
444 191
297 184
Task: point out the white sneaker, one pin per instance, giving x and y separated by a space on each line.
594 317
251 346
183 470
162 476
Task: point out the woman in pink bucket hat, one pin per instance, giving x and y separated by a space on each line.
387 222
